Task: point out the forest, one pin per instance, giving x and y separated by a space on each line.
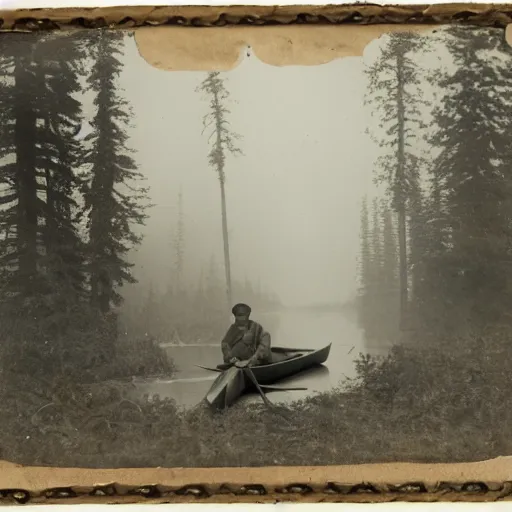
434 270
67 211
436 252
71 209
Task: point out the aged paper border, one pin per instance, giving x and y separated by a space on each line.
481 482
210 16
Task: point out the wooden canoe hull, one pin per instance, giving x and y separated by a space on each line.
232 383
271 373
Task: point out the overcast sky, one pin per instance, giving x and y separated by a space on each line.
293 198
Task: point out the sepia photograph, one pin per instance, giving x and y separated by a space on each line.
266 266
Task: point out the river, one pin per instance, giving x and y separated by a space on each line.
295 329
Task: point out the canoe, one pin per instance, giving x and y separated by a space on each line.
233 382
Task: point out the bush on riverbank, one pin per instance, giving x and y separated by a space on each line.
428 401
137 358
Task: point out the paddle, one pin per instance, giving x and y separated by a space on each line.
210 369
244 366
280 388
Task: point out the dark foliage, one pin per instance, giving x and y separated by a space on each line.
113 202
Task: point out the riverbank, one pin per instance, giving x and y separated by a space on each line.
429 402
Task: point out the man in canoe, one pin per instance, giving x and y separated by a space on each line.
246 340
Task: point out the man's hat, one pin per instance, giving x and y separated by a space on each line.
241 309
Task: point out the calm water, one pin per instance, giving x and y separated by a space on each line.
290 329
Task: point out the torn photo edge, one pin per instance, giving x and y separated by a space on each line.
482 481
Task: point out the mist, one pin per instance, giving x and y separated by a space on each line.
293 197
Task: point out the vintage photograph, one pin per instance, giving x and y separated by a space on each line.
267 266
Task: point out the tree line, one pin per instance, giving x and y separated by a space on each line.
68 203
439 253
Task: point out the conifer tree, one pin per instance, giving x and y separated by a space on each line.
473 175
113 200
394 79
41 251
223 144
20 207
59 60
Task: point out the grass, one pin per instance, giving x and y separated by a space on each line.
429 401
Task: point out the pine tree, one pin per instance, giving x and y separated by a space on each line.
394 80
59 60
37 174
113 201
474 134
223 143
42 255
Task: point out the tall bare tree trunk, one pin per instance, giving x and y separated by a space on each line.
224 143
227 262
222 180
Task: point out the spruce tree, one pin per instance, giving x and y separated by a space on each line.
59 60
113 201
223 144
20 208
42 255
474 176
394 79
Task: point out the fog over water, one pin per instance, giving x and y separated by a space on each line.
293 197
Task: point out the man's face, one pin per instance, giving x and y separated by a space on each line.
241 319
